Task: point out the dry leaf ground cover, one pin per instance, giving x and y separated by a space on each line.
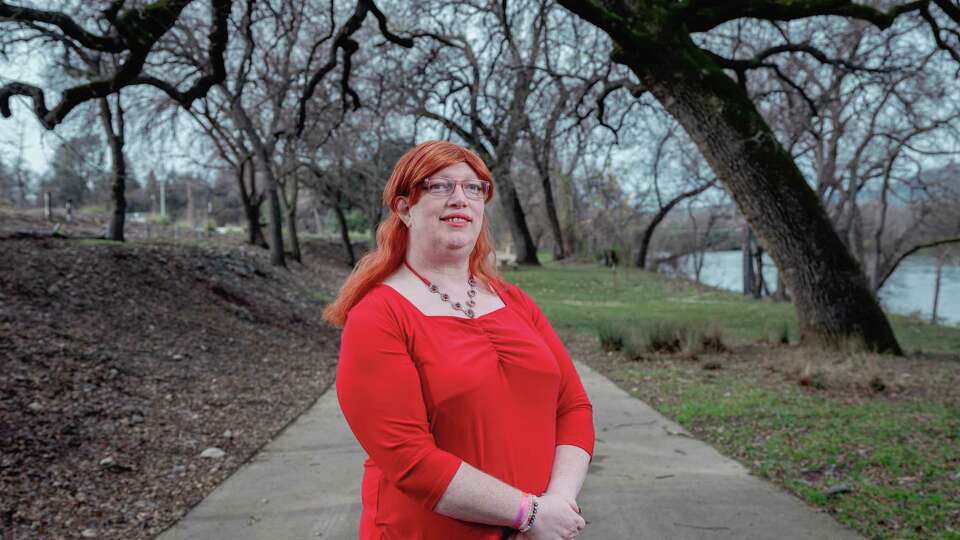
123 363
873 440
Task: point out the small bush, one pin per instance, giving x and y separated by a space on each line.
671 337
664 337
611 337
634 347
712 340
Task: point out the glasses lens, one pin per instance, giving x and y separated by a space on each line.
475 190
443 187
439 186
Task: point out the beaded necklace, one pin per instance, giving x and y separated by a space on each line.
465 307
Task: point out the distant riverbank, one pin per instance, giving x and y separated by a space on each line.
909 291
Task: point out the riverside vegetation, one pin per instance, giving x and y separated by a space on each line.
871 439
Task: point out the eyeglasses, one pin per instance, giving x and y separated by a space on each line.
444 187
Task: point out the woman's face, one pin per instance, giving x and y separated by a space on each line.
452 222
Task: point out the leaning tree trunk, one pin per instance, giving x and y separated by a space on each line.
831 294
119 183
641 260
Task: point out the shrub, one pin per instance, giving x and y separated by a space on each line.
611 337
712 340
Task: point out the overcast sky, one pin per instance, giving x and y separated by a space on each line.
38 143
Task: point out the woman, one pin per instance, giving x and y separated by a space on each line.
472 414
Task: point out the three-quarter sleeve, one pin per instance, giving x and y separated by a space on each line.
574 410
379 390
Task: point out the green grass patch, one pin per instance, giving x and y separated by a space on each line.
585 297
900 460
887 428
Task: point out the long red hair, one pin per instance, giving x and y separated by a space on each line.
392 235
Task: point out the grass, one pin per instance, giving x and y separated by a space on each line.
585 297
899 459
887 428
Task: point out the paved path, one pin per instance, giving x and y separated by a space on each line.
645 482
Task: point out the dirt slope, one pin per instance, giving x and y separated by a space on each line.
122 363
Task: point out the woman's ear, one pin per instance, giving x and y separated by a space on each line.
403 210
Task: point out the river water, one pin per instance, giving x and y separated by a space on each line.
908 291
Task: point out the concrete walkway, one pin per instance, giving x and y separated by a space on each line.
647 481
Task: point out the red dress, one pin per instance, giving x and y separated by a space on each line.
423 393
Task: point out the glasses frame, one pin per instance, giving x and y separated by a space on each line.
425 183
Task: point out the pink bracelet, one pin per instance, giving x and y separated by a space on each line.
521 512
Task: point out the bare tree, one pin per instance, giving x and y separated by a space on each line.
654 38
130 38
461 83
866 119
674 154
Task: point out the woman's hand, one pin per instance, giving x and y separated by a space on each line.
557 518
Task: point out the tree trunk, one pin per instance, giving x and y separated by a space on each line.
759 285
345 234
290 211
746 257
781 294
641 260
567 214
316 220
936 288
262 158
251 201
558 248
833 299
119 184
516 219
277 256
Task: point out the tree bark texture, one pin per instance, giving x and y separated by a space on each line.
115 138
833 300
522 239
251 203
746 260
290 211
345 233
262 158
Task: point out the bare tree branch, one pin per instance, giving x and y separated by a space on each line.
893 266
139 29
702 15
